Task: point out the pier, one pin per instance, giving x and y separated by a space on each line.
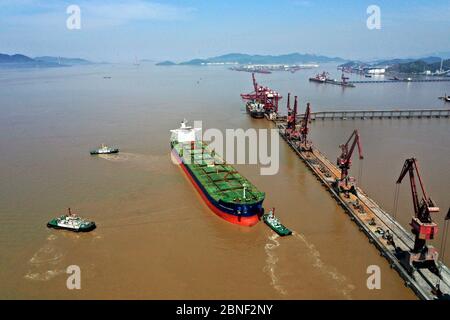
376 114
388 236
400 80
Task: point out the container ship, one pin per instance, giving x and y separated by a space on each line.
226 192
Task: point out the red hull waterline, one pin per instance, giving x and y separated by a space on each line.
243 221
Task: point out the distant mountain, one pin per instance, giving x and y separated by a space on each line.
22 61
442 54
194 62
406 65
63 61
166 63
391 62
15 58
420 66
354 64
241 58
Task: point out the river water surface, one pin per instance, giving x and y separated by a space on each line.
155 237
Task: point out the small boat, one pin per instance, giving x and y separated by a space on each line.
104 150
275 224
446 98
71 222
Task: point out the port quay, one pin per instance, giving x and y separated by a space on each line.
416 263
377 114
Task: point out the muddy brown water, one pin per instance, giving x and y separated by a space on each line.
155 237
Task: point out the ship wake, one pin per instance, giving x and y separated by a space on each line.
271 262
44 263
344 287
136 160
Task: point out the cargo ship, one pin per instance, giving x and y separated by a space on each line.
224 190
255 109
324 78
320 77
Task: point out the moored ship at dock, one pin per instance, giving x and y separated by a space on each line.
261 97
407 252
225 191
324 78
256 109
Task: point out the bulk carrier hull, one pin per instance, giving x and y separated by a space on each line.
245 214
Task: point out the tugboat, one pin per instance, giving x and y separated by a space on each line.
446 98
104 150
71 222
256 109
275 224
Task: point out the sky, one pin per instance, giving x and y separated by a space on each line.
123 30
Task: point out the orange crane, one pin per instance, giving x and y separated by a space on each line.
290 116
305 144
291 130
268 97
345 183
423 226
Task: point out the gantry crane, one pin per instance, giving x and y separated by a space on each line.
346 184
423 226
305 144
268 97
344 78
291 130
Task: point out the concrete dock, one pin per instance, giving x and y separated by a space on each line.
374 222
400 80
376 114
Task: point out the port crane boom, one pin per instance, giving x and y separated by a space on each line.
255 85
268 97
290 115
345 159
304 128
423 226
291 130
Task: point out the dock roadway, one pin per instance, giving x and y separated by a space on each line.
400 80
374 222
376 114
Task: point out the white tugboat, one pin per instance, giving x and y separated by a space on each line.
71 222
104 150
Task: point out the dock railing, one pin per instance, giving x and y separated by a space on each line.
377 114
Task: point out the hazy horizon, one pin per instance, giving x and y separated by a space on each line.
119 31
